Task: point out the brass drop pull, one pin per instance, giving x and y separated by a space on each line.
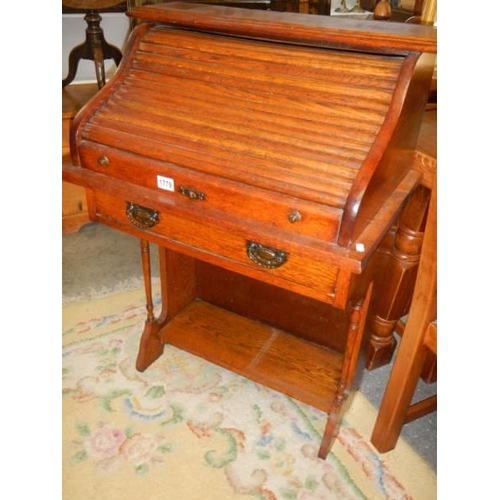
103 161
267 257
142 217
191 193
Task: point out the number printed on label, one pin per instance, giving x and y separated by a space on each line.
165 183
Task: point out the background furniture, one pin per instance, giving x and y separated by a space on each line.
417 354
74 200
244 4
401 249
400 254
419 338
75 95
95 47
321 7
414 11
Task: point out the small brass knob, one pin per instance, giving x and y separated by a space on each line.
294 216
103 161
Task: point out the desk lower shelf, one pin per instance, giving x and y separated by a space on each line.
267 355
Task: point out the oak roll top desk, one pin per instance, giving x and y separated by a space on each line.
267 154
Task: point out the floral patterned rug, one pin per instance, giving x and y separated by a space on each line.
186 429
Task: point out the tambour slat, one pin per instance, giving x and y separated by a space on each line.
307 154
262 119
222 127
334 65
320 112
294 184
272 72
300 125
238 157
298 116
262 86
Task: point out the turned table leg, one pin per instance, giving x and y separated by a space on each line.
150 348
177 278
350 371
396 279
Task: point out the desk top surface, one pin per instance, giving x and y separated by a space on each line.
328 31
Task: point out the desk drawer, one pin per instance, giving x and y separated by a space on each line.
271 208
234 244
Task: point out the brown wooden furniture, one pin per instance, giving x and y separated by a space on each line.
74 200
267 154
95 47
244 4
303 6
419 338
400 253
403 245
319 7
415 11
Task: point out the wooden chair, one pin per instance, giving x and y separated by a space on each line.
417 355
418 339
395 284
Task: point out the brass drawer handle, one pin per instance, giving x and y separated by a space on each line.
142 217
192 194
267 257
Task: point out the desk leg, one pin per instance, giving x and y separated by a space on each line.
177 278
350 371
394 284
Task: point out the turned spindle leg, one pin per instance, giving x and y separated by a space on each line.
151 348
351 370
178 289
396 280
332 424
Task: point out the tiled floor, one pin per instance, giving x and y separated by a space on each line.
97 258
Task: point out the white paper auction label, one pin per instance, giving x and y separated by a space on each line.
165 183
